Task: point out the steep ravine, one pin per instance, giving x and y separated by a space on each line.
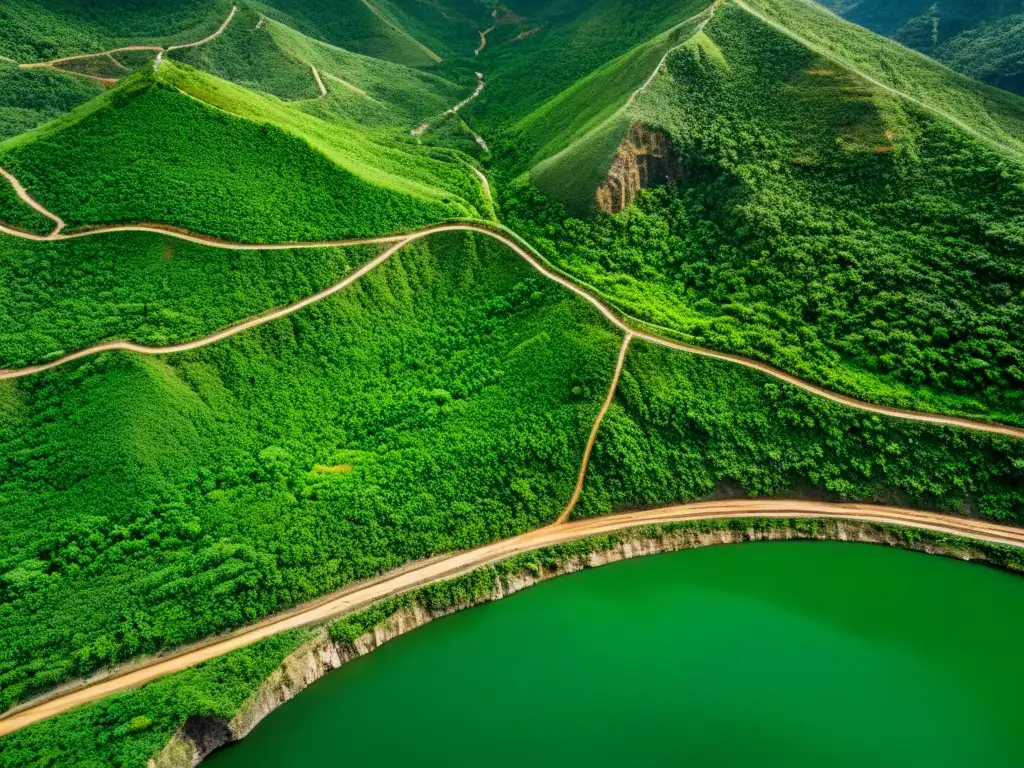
200 736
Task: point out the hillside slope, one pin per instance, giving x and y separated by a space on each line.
38 30
819 198
263 54
183 148
982 39
441 403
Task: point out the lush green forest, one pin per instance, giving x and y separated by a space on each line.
269 56
823 225
239 166
554 45
68 295
15 213
800 191
440 403
684 428
37 30
31 97
982 39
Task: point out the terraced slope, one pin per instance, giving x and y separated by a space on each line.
183 148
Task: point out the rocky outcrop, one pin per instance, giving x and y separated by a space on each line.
200 736
642 160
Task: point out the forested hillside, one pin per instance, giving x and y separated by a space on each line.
825 221
982 39
183 148
759 178
151 502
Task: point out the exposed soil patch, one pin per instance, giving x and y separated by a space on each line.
643 160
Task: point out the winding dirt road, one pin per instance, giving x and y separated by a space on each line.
398 242
26 198
124 49
449 566
483 39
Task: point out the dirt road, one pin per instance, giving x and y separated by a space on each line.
450 566
398 242
578 490
124 49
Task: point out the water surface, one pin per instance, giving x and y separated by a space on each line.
775 654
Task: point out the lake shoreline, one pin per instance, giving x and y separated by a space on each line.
363 632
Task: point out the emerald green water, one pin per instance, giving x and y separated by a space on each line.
776 654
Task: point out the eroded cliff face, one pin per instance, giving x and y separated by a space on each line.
200 736
642 160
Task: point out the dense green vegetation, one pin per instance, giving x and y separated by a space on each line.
15 213
357 26
37 30
684 427
823 225
69 295
31 97
573 136
230 163
248 55
992 52
992 114
276 59
982 39
441 402
126 730
847 210
567 40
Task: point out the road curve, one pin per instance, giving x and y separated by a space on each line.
401 240
25 197
124 49
449 566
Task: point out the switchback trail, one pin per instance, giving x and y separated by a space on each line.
398 242
456 564
124 49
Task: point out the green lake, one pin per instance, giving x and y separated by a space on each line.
774 654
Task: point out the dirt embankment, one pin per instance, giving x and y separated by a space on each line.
200 736
643 159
